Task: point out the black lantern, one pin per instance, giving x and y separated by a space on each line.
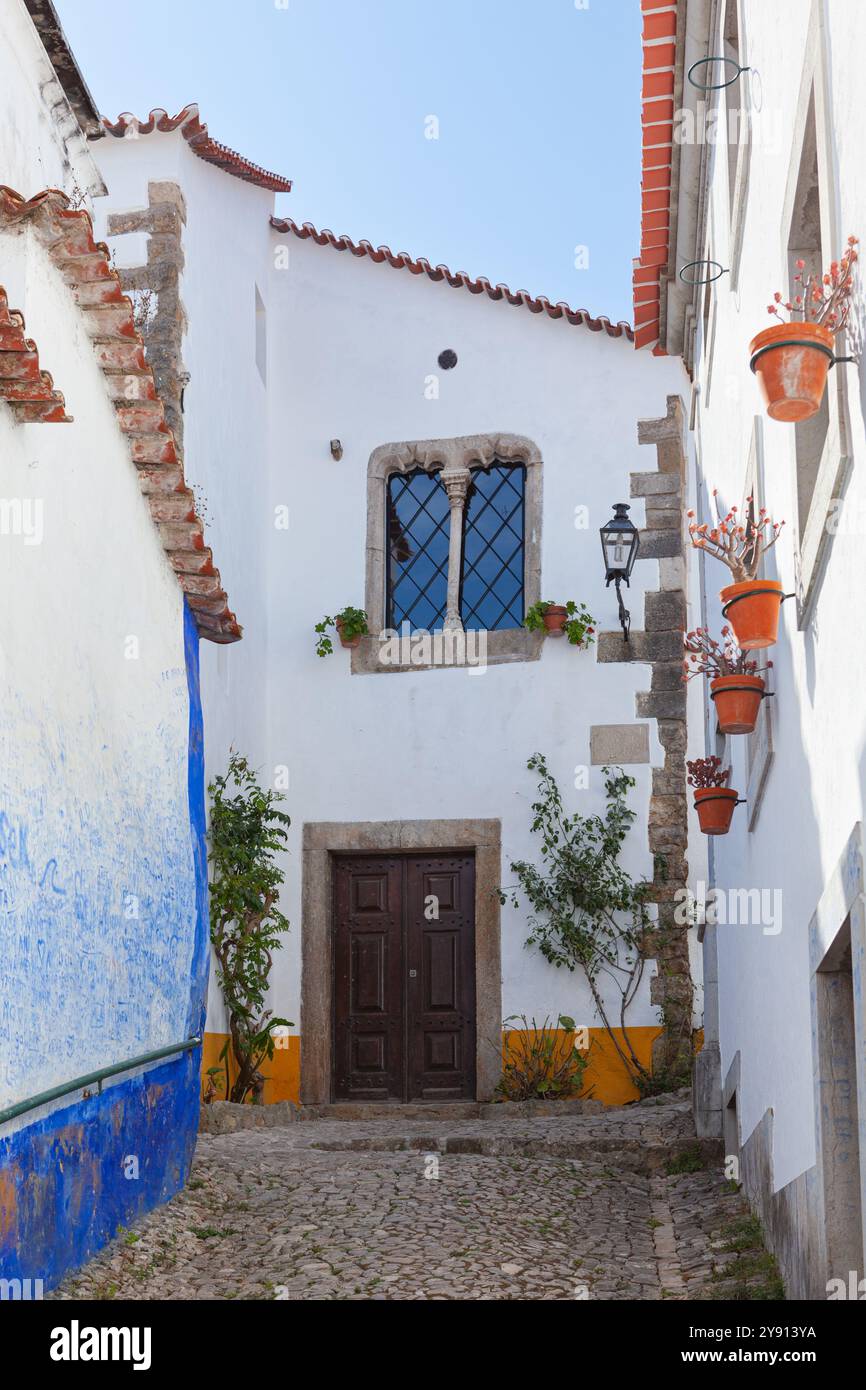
620 544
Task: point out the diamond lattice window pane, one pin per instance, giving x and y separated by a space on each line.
492 588
418 533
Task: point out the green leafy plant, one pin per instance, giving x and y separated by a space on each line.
579 627
541 1061
350 622
246 831
587 913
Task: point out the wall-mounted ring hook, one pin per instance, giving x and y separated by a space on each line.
715 86
706 279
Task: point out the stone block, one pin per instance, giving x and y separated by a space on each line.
664 612
661 704
618 744
651 484
657 545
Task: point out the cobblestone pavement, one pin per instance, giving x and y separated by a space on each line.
621 1205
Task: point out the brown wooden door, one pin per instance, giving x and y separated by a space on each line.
404 977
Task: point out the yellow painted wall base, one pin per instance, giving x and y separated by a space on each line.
283 1073
605 1077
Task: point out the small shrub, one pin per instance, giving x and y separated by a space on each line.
541 1061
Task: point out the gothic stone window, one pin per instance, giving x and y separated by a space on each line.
453 541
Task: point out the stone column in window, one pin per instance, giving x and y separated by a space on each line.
456 484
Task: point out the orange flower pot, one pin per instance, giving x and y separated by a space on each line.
555 618
791 362
350 642
738 699
715 807
752 609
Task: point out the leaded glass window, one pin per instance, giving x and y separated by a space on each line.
491 595
417 539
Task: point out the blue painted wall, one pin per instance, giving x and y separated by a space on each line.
68 1181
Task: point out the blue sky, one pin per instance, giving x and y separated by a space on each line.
538 105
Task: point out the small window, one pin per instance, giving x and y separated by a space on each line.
261 338
418 542
493 535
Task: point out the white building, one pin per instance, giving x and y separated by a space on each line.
106 589
318 371
784 180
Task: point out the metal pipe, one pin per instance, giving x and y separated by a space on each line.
67 1087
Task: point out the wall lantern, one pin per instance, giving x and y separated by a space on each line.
620 544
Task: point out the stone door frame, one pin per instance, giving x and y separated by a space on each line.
322 840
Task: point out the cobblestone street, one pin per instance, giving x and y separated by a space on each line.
619 1205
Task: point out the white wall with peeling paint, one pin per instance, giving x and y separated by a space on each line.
97 902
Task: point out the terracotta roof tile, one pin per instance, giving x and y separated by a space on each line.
401 260
67 235
659 57
194 131
28 390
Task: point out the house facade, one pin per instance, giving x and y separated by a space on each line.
373 431
103 881
747 174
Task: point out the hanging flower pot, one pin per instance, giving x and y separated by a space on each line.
345 641
737 700
715 808
714 799
752 609
791 362
351 626
554 619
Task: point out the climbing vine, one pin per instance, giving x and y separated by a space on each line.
586 912
246 831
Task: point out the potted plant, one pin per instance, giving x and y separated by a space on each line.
750 604
792 358
350 625
735 685
554 619
714 799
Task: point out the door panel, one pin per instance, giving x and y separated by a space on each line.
440 949
404 977
368 980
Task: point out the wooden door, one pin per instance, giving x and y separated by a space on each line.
404 977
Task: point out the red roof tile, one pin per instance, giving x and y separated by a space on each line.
659 57
401 260
194 131
67 235
28 391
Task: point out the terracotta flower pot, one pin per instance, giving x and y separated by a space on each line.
738 699
752 609
791 362
715 807
555 618
350 642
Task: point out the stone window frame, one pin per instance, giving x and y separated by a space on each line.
453 459
814 539
322 842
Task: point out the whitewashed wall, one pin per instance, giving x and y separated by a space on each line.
41 143
815 791
350 346
97 901
354 345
